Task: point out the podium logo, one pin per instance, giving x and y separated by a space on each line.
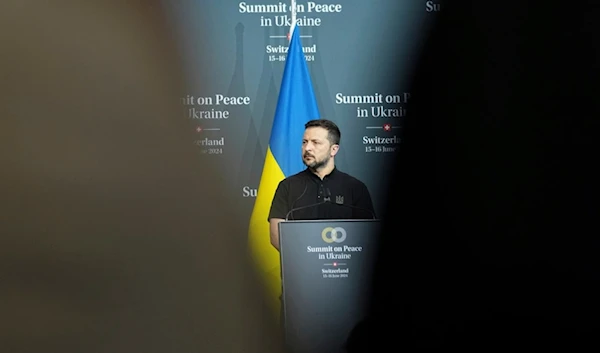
333 235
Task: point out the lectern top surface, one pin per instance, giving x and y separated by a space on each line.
332 220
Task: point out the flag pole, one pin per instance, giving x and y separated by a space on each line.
293 7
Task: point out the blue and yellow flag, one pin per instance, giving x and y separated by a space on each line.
296 105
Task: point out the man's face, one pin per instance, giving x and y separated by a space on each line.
316 148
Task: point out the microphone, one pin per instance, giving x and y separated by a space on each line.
325 200
327 197
302 194
341 203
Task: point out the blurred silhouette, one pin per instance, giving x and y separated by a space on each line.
491 234
115 231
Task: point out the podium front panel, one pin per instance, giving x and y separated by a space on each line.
326 269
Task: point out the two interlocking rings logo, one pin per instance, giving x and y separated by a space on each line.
331 235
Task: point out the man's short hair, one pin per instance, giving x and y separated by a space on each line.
333 132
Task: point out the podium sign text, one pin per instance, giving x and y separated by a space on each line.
326 269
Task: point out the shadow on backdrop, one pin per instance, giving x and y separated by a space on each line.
112 227
491 234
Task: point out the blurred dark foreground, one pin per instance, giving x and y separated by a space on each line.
116 235
113 231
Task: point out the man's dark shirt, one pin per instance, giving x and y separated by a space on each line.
349 197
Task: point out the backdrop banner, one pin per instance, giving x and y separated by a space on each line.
359 54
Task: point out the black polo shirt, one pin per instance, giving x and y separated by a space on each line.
349 198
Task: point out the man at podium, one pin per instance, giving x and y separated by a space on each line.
321 191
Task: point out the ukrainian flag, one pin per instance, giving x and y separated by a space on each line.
296 105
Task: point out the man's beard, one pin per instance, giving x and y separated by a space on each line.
316 164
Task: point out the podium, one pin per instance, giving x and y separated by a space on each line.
326 274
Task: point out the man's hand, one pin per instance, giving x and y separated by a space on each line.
274 231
